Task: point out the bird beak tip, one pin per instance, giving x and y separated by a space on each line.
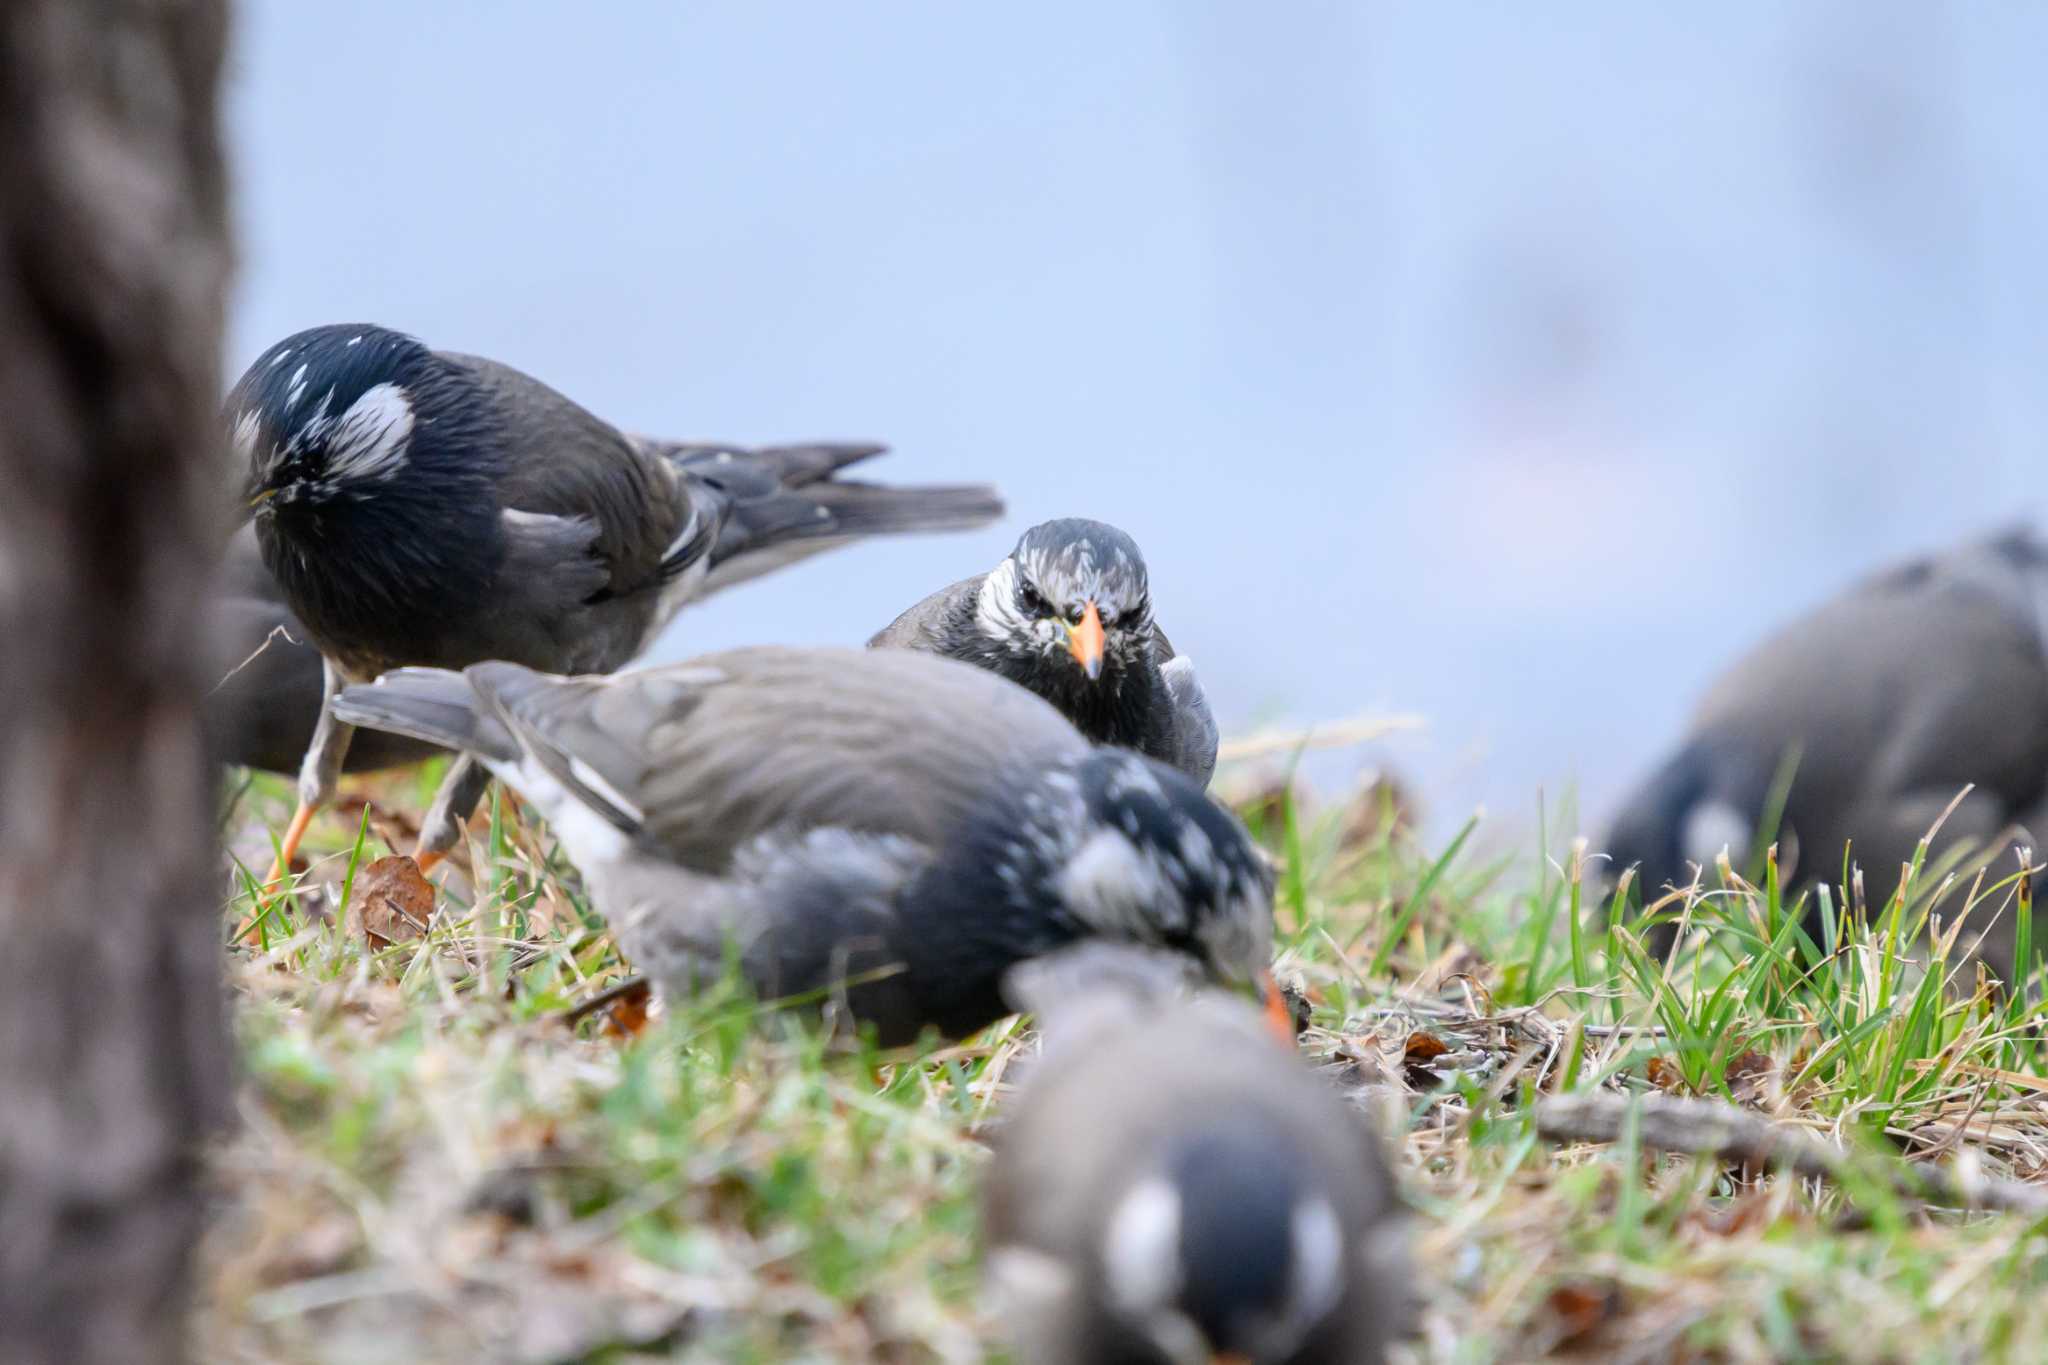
1085 642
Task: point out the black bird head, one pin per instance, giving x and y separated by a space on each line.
1224 1250
1070 601
1112 846
372 464
338 414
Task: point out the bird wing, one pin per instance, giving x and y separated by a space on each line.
925 626
1194 725
700 759
565 461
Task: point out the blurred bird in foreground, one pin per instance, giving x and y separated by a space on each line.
885 831
1068 615
1171 1187
1880 706
424 507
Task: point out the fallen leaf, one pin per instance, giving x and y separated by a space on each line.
1580 1308
1417 1054
395 827
393 902
628 1015
1664 1074
1421 1047
1749 1077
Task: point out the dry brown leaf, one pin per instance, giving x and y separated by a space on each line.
1749 1078
1422 1047
393 902
627 1016
1579 1309
395 827
1664 1074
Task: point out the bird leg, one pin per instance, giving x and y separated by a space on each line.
460 790
1274 1007
319 775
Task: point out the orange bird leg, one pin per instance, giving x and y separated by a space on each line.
288 847
1279 1015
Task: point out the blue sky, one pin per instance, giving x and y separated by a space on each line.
1514 365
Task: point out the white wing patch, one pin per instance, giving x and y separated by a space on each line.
593 779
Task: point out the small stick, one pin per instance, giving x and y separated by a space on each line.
633 987
1712 1128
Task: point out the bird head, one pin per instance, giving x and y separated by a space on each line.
1122 848
352 413
1222 1249
1072 596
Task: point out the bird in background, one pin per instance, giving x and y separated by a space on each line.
1871 713
884 830
1068 615
421 507
1172 1187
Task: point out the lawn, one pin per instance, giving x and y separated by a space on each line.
440 1157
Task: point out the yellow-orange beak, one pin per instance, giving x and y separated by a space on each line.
1084 642
1278 1014
259 499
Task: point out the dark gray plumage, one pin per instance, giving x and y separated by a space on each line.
1171 1185
896 829
1889 699
1068 615
423 507
261 712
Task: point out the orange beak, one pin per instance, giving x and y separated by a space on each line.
1084 642
1279 1015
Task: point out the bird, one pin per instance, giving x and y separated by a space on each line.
1170 1185
265 696
422 507
887 829
1068 614
1879 706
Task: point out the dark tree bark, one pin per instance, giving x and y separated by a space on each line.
112 1043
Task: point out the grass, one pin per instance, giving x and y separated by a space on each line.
433 1165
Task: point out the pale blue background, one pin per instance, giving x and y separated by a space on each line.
1512 364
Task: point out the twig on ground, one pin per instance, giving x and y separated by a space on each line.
633 987
1337 735
1712 1128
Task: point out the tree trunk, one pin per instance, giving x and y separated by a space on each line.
113 256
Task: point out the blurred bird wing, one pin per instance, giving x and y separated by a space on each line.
1196 738
702 758
924 626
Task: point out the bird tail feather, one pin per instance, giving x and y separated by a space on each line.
786 505
430 704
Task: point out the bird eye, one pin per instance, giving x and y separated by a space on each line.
1029 598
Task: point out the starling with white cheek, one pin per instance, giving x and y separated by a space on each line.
419 507
1068 615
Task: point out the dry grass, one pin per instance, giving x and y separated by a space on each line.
433 1165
